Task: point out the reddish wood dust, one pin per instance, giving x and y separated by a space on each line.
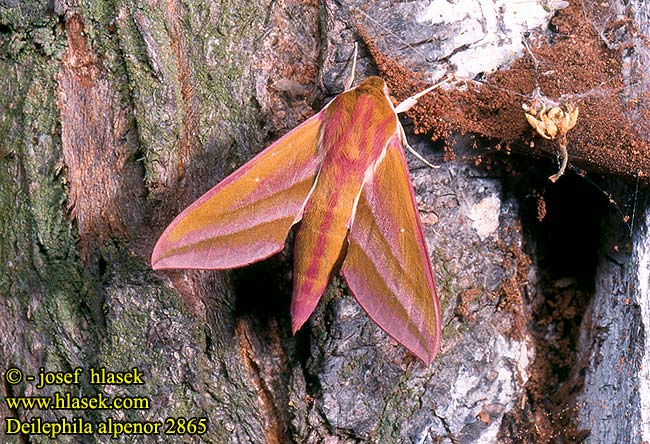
577 64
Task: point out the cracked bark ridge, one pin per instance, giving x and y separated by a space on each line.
98 142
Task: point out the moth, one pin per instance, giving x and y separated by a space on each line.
342 174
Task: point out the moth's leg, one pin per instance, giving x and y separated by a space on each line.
405 106
405 143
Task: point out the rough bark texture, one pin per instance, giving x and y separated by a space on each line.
116 115
614 339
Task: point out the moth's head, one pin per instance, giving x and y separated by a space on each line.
374 83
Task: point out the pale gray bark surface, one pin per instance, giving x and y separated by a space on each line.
116 115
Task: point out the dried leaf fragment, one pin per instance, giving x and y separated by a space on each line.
552 120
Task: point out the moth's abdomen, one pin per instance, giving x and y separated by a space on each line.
357 127
319 242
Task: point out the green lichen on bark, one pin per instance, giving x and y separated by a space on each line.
25 14
183 60
400 403
41 281
150 329
37 238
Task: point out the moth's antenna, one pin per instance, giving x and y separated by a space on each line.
390 32
420 158
405 142
636 197
350 80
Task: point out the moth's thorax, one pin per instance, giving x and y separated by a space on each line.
359 122
356 130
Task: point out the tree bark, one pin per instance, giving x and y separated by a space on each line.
117 115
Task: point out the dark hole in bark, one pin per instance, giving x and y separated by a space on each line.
565 247
102 266
567 240
264 293
261 291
